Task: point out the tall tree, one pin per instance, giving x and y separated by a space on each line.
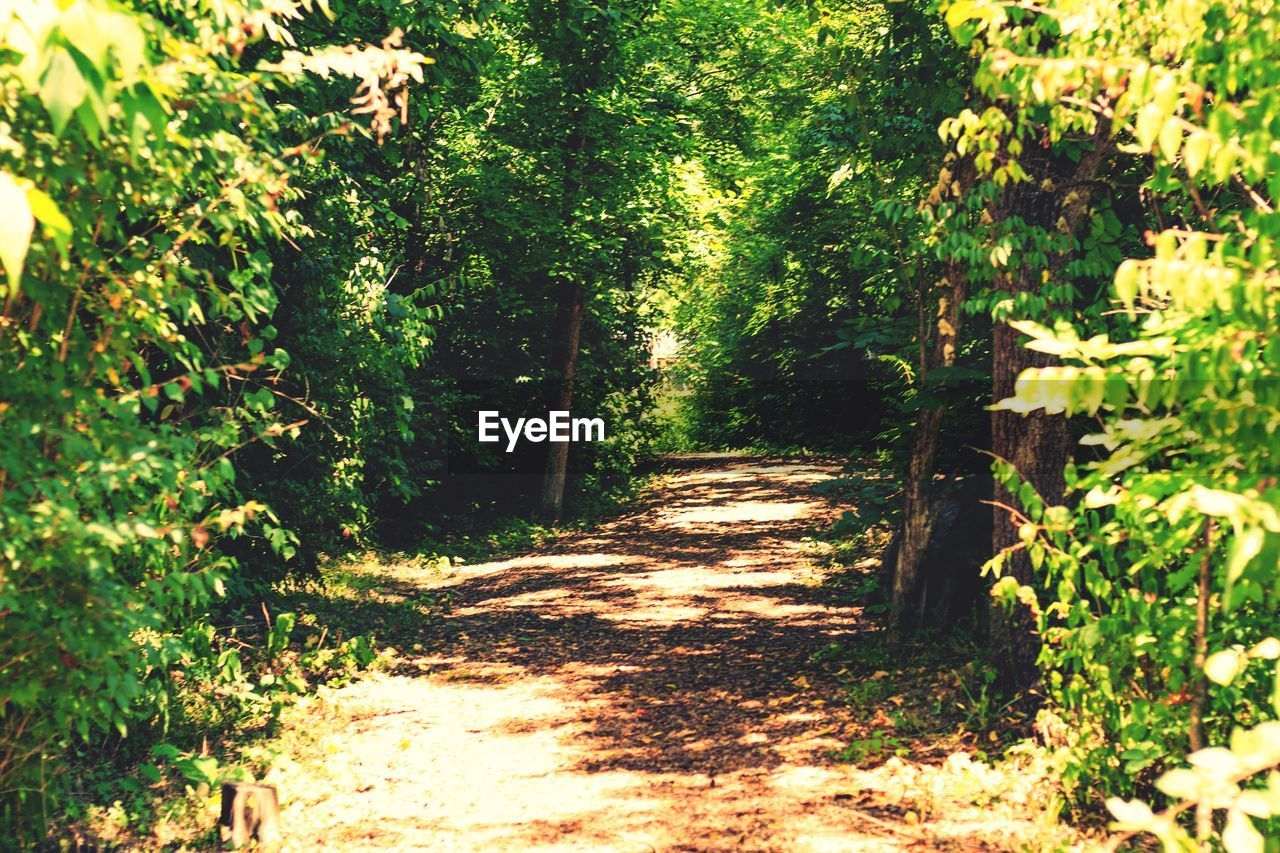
605 117
581 36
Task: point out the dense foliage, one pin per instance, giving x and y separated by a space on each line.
263 263
144 180
259 278
1159 581
800 317
1104 216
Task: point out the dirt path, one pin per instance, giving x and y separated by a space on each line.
643 686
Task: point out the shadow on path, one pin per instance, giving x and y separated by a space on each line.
645 685
690 618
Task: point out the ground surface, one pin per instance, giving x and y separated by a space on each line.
646 685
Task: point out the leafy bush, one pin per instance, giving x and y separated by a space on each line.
143 179
1159 607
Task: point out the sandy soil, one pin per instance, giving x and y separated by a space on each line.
645 685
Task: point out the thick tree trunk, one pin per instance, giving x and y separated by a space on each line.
1039 446
1055 199
909 597
568 333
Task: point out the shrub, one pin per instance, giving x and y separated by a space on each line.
1161 572
142 180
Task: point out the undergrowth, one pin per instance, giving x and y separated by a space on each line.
235 676
929 719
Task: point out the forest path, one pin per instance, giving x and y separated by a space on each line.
645 685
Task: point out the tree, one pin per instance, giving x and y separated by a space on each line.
592 100
579 40
1154 575
923 575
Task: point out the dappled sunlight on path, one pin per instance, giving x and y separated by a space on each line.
646 685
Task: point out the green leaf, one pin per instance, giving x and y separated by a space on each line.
62 89
16 226
1268 649
1170 138
1150 120
1181 784
1240 835
1216 502
142 109
48 215
1244 547
128 43
1224 163
1223 667
1126 283
1195 152
95 101
199 770
1131 814
84 28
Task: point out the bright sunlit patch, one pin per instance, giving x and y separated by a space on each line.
739 512
552 561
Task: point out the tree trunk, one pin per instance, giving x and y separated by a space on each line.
568 333
1039 446
919 505
585 69
910 586
1054 199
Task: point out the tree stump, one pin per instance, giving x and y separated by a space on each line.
249 813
